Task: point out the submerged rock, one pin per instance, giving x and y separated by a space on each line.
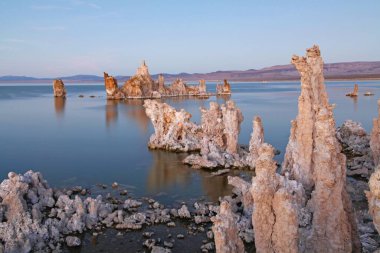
59 88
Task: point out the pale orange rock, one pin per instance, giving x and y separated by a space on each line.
202 87
277 201
226 231
257 139
375 137
59 88
232 118
314 159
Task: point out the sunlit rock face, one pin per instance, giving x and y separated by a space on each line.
59 88
112 89
223 89
257 139
225 231
140 85
373 196
314 159
375 137
173 129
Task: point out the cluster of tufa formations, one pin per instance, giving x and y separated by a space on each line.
141 85
304 208
304 205
215 139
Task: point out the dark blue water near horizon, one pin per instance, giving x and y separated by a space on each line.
89 140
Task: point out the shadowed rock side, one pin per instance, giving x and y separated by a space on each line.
112 89
59 88
355 92
373 196
173 129
142 86
225 230
223 89
355 143
375 137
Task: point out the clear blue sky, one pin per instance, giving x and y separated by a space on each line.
47 38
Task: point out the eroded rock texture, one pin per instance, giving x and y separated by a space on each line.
219 141
202 87
355 142
314 159
277 203
223 89
375 137
173 129
226 231
59 88
112 89
257 139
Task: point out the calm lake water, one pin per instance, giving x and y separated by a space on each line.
86 141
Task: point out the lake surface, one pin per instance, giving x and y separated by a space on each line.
86 141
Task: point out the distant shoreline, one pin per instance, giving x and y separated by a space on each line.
192 80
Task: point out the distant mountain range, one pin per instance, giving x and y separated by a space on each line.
343 70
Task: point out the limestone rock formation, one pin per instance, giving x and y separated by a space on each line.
355 92
257 139
356 147
375 137
373 196
219 141
202 87
223 89
314 159
140 85
277 202
59 88
225 231
173 129
112 89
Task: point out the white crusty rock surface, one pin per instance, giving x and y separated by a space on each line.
173 129
373 196
375 137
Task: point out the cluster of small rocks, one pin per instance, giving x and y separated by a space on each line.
35 217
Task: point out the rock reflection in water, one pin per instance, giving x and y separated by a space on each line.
131 109
111 112
59 106
168 171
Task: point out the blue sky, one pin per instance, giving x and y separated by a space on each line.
49 38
